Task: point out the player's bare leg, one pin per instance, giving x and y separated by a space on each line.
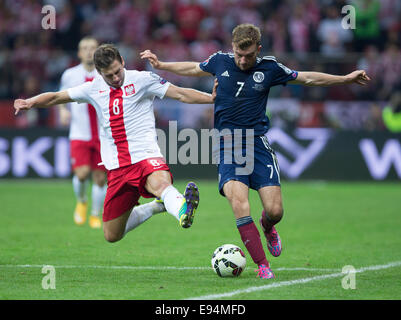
159 184
80 184
237 193
273 212
98 193
114 229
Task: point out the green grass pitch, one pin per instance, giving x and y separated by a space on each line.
326 226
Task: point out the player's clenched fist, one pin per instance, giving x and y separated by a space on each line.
21 104
359 77
152 58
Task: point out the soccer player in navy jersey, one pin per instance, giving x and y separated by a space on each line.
244 81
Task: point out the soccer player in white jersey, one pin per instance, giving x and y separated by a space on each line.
84 138
129 150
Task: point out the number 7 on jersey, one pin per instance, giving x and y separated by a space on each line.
241 84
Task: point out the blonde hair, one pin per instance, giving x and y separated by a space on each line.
245 35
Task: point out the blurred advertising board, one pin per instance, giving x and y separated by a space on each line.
303 153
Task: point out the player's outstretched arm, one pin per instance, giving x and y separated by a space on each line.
187 95
325 79
180 68
43 100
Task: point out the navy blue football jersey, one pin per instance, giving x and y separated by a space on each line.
242 95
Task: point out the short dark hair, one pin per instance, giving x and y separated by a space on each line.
105 55
88 38
245 35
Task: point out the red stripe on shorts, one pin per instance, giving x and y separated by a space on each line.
92 117
117 126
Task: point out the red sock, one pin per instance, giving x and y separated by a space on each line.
251 239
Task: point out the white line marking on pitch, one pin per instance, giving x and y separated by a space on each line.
105 267
149 267
293 282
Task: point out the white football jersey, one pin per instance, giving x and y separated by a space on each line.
125 114
84 125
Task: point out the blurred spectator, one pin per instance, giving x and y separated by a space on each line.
276 35
332 35
374 120
312 11
389 15
367 28
189 14
305 35
128 52
390 65
57 62
298 27
29 16
32 116
135 20
161 13
106 22
249 13
369 63
204 46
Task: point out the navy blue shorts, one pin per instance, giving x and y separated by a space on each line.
252 161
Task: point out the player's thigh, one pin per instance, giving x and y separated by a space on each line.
272 201
99 177
82 172
237 194
157 181
114 229
80 153
119 201
120 195
228 173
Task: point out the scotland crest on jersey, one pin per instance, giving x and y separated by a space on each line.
258 77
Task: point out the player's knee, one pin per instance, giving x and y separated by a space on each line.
112 237
99 178
160 187
157 182
82 173
276 213
240 207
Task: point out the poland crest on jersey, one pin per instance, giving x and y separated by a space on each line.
129 89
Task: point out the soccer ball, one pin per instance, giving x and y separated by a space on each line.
228 260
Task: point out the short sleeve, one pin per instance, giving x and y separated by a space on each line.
156 85
210 64
282 74
80 93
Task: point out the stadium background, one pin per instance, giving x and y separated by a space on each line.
319 133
